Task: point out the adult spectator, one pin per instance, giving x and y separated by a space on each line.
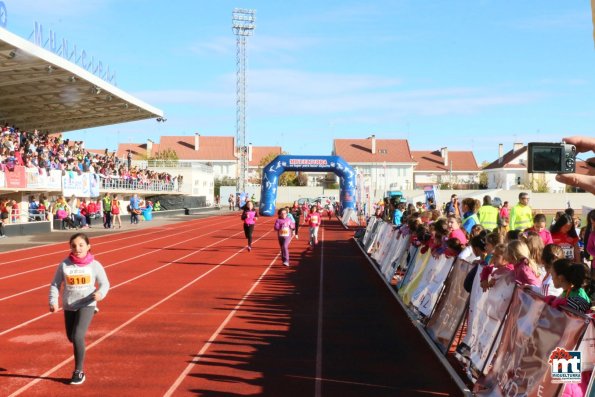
469 214
453 207
488 214
586 182
134 209
521 215
107 211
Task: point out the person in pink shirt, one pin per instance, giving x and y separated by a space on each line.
590 238
314 220
539 227
526 271
284 227
249 216
455 231
505 211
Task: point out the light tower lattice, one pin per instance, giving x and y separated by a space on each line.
243 24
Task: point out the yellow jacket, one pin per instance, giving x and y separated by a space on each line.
521 217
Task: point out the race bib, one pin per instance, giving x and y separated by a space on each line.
83 279
77 277
284 232
314 219
568 251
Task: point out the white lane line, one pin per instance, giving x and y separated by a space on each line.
166 235
318 383
153 231
215 334
131 320
129 280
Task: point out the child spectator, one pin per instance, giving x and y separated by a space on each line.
550 254
454 227
497 261
564 234
535 245
526 270
539 227
512 235
469 214
570 277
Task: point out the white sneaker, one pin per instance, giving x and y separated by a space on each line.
286 264
297 237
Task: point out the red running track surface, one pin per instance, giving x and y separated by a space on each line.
191 313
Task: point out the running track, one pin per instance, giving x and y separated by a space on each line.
191 313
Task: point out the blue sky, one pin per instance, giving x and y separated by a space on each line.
462 74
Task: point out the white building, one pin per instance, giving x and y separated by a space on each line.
385 164
457 169
509 171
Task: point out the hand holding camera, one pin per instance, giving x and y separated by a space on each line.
585 182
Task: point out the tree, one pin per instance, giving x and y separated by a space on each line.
225 181
302 179
483 176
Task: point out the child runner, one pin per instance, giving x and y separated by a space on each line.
314 220
297 213
284 227
79 273
249 216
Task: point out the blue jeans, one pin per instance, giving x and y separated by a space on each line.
284 244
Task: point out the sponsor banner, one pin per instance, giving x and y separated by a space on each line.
75 184
408 262
16 179
370 228
54 180
401 249
533 334
389 250
94 184
486 313
421 260
430 286
34 179
380 240
450 309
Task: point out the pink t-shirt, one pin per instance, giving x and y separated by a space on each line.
524 275
250 215
460 234
545 235
314 219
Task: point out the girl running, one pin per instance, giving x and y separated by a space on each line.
314 220
249 216
79 273
284 226
297 214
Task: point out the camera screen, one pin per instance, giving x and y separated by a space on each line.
547 158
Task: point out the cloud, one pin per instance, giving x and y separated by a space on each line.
285 92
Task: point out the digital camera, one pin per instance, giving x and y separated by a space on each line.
559 158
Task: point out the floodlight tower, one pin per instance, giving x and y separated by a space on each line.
243 25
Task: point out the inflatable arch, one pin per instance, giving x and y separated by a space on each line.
272 172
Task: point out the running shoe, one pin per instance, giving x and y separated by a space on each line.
286 264
297 237
78 377
249 248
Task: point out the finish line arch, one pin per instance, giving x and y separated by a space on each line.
282 163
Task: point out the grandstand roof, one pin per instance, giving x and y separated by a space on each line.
41 90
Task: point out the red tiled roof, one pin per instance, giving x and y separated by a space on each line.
507 160
432 161
260 152
138 150
360 150
211 148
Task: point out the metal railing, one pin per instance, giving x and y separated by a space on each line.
112 183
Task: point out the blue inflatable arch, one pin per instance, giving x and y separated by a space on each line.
272 172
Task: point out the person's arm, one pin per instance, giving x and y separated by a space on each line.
277 225
586 182
102 282
55 288
577 253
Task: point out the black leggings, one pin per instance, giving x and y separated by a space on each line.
248 230
77 324
297 225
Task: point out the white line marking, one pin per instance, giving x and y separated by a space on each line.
215 334
131 320
101 253
129 280
318 383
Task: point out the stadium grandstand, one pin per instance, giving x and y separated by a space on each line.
43 95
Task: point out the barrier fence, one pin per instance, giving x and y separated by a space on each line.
73 183
512 334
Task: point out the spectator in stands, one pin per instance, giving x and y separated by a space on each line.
79 219
539 227
84 210
521 216
34 209
564 234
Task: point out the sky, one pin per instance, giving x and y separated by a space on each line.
466 75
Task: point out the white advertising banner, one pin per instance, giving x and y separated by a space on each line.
400 249
75 184
486 313
426 295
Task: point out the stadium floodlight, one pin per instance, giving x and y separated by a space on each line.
243 25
